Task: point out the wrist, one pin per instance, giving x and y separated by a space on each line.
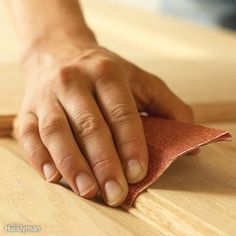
55 39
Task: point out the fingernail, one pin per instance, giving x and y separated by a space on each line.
49 171
113 191
84 183
134 171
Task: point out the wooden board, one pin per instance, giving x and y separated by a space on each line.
195 196
26 199
197 63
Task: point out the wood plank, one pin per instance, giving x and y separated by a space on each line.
194 197
196 62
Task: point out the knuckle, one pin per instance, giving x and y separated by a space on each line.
100 162
34 151
87 124
66 75
103 68
160 83
50 126
27 130
65 160
129 145
121 113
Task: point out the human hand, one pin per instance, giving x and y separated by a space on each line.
80 117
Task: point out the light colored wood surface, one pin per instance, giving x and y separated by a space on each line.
196 196
193 197
184 55
197 63
28 200
11 88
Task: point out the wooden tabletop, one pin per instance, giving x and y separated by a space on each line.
197 194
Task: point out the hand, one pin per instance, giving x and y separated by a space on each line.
80 118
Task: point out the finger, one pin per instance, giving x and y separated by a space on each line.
154 97
38 155
57 136
119 109
95 140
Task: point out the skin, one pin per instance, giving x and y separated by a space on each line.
80 114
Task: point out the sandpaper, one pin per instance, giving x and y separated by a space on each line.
167 140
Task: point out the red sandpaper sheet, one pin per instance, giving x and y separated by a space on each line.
167 140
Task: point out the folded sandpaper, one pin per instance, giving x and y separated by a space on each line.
167 140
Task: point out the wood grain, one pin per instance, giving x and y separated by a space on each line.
194 197
197 63
28 200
